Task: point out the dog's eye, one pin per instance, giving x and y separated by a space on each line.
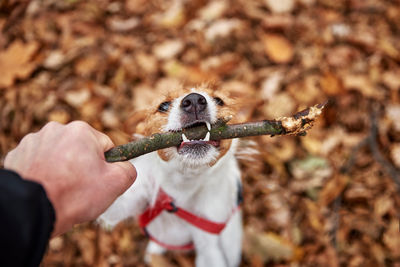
219 101
164 106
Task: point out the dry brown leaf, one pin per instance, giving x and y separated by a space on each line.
363 84
213 10
332 189
281 6
59 115
395 154
222 28
391 238
85 241
271 85
173 16
119 137
87 65
160 261
16 62
90 109
306 91
392 79
341 56
314 216
393 114
388 48
382 205
269 247
278 48
168 49
282 105
76 98
331 84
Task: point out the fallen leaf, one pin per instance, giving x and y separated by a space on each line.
173 16
213 10
395 153
221 28
87 65
332 189
269 246
85 241
56 243
341 56
16 62
54 60
393 113
168 49
363 84
331 84
313 215
391 238
159 261
121 25
271 85
281 105
59 115
281 6
382 205
76 98
310 174
278 48
392 79
109 118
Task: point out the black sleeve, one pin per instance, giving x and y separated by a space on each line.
26 221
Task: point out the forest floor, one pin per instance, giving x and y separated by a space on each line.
330 198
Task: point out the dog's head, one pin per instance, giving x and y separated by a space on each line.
183 108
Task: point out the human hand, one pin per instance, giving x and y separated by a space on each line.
68 160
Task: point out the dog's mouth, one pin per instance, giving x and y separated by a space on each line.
201 145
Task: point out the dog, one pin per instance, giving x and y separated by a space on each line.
187 197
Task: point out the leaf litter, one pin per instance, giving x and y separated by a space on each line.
326 199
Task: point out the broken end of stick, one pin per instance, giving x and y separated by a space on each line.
303 120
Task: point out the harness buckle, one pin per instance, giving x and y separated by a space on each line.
172 208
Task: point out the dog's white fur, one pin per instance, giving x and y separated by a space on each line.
207 191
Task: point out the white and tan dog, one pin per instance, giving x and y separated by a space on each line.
187 196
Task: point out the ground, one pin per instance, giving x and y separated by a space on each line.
330 198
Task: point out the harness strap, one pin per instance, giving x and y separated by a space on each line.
165 202
188 246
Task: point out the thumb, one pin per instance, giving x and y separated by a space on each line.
126 172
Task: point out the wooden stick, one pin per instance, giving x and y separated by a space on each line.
294 125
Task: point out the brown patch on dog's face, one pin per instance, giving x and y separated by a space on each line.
160 114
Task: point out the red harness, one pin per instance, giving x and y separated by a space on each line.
165 202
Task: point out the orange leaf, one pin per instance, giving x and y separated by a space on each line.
278 48
15 62
332 189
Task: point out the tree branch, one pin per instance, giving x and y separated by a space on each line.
294 125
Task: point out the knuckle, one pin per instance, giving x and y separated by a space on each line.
28 138
49 127
8 159
78 126
52 125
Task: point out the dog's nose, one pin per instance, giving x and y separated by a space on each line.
194 103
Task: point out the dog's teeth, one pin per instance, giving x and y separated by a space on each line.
207 138
208 125
184 138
